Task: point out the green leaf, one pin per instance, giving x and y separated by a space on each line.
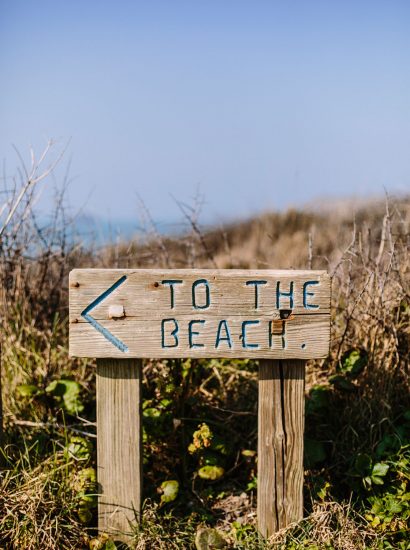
155 421
27 390
151 412
367 482
377 506
353 362
252 484
79 447
86 483
248 453
209 539
67 392
380 469
211 473
324 491
84 514
394 506
362 464
169 490
377 480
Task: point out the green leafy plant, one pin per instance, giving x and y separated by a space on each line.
79 448
201 439
169 491
370 472
351 365
67 395
353 362
85 482
210 451
211 473
207 538
28 390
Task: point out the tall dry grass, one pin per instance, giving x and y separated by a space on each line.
367 253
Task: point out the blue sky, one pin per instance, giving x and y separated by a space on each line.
262 104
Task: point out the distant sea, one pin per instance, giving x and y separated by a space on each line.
90 229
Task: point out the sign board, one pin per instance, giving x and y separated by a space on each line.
271 314
121 316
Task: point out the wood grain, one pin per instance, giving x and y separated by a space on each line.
280 444
134 310
119 451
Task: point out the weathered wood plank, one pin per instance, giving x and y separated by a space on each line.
119 451
203 313
280 444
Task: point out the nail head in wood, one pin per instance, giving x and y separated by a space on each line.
116 311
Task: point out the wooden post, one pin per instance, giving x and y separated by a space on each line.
280 444
119 450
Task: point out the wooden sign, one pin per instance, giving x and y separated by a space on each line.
199 313
121 316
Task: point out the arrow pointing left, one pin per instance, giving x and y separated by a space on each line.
102 330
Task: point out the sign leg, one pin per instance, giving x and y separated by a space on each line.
119 449
281 415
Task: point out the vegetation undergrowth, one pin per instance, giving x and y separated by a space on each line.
199 417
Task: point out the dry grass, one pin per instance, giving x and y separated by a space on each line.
38 504
368 256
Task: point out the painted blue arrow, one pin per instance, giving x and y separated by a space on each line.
106 333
